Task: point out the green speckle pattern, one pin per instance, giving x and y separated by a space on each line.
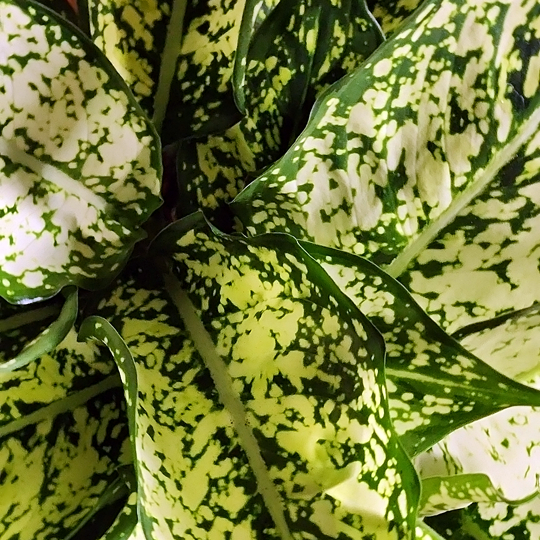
485 263
54 471
434 384
132 36
79 162
391 13
296 51
400 146
314 402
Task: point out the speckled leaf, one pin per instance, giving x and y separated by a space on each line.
64 8
424 532
392 13
511 343
435 385
28 333
55 470
79 162
282 430
201 99
485 263
297 51
254 14
505 447
126 525
62 428
443 493
397 150
491 522
177 57
133 34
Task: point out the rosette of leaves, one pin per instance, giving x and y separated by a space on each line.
258 387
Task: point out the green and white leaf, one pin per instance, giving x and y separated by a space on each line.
402 146
505 447
297 50
29 332
133 35
444 493
282 423
79 161
392 13
511 344
62 435
64 8
487 522
434 384
126 525
177 57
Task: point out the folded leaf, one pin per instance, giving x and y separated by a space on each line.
79 161
443 493
24 341
434 384
511 344
297 50
276 436
401 147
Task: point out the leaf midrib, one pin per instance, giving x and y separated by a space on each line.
171 51
232 403
60 406
482 180
52 175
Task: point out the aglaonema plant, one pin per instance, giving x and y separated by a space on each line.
269 270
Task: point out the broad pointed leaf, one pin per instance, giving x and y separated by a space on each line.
397 150
62 434
79 161
435 385
241 417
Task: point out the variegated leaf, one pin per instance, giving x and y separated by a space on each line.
297 51
398 149
126 525
435 385
56 469
511 344
504 447
64 8
62 434
26 333
269 443
424 532
79 162
490 522
443 493
392 13
177 58
485 263
66 377
133 35
255 13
